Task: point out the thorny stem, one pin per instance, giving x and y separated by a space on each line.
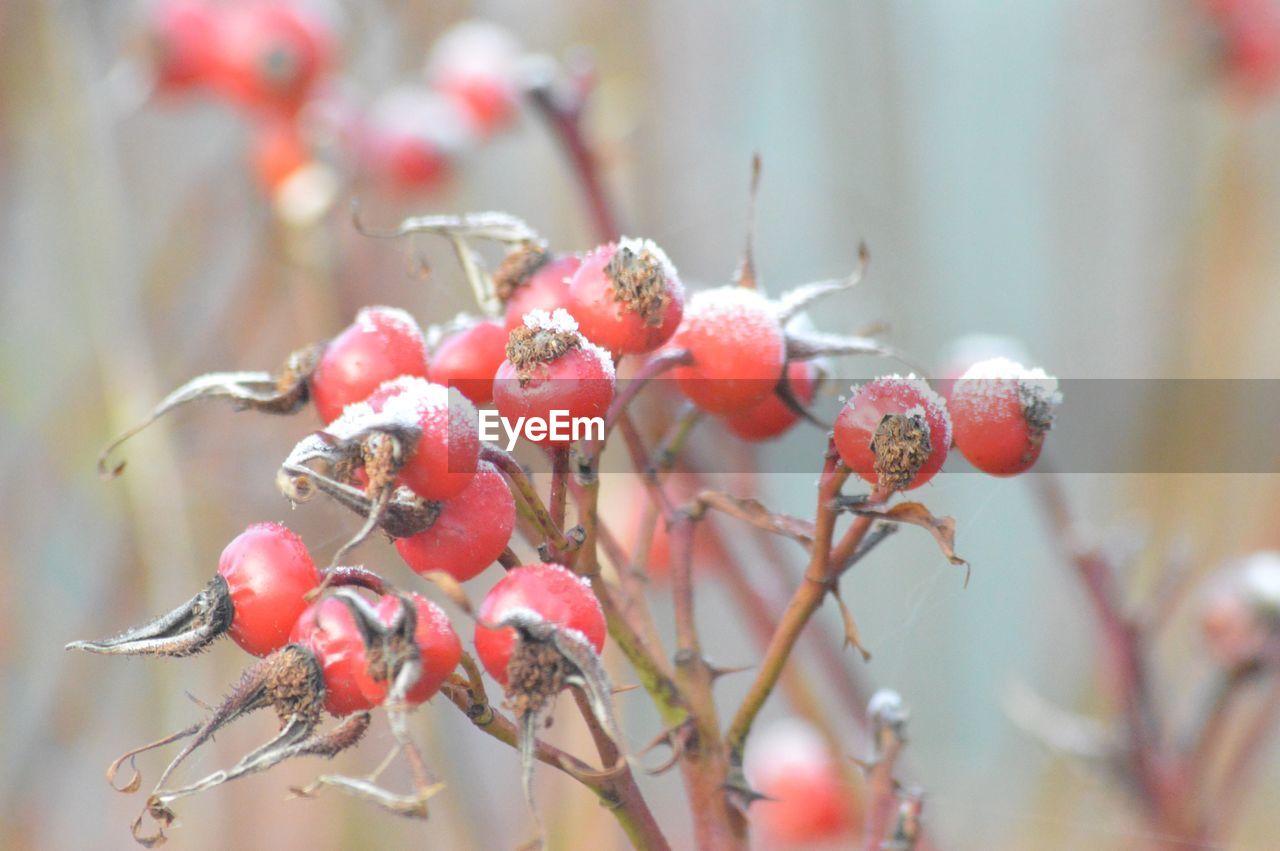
524 491
622 798
559 484
806 599
1123 643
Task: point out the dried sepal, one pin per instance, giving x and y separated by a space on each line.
405 515
852 637
285 393
797 299
807 345
186 630
547 659
289 681
378 442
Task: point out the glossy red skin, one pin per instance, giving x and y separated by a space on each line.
547 589
437 642
470 532
989 426
358 360
604 321
861 415
180 39
546 289
804 804
268 571
469 359
732 369
329 631
270 54
771 417
576 382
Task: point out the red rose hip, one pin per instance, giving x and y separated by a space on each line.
553 374
771 417
469 531
469 359
627 296
531 279
1001 412
894 432
737 346
383 343
549 591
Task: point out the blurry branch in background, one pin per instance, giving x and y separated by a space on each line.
1189 788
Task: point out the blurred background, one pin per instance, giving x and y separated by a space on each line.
1098 180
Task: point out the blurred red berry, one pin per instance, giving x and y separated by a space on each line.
180 36
475 63
894 432
806 798
548 590
270 54
410 140
279 152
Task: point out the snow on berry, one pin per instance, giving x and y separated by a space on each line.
737 347
1001 412
894 432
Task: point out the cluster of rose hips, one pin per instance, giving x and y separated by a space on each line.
400 445
276 60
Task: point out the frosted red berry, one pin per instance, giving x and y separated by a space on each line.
469 359
551 368
771 417
383 343
469 531
270 54
627 296
442 461
410 140
475 63
548 590
894 432
1000 413
531 279
329 630
737 346
437 643
806 799
268 571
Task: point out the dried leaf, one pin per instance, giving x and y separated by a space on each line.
943 529
259 391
